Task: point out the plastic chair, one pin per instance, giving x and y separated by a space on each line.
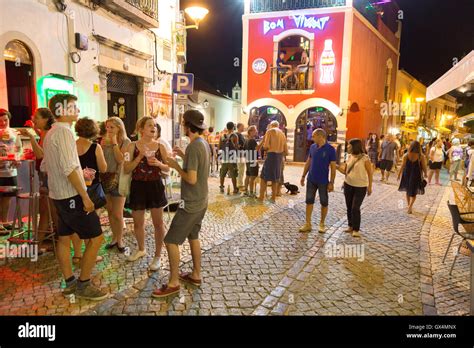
457 219
171 198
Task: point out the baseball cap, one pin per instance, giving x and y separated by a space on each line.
196 118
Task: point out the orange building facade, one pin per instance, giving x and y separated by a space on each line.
351 69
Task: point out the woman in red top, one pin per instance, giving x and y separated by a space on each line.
42 119
146 160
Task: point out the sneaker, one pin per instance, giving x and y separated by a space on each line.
356 234
138 254
349 230
322 228
71 288
306 228
90 292
155 264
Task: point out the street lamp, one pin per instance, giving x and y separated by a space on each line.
197 14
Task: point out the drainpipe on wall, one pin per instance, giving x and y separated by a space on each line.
73 55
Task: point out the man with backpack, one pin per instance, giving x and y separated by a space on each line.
228 146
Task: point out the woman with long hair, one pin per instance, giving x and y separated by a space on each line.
373 149
42 119
146 160
412 171
115 143
357 183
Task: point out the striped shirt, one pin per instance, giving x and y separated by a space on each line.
60 160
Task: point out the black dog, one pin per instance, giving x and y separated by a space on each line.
291 188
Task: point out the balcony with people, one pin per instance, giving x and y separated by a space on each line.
293 69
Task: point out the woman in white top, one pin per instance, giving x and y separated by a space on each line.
436 161
357 184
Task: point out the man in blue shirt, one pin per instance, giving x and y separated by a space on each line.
321 156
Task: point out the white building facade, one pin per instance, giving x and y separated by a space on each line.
115 56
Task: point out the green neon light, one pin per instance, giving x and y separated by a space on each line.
48 86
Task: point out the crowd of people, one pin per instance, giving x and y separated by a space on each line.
100 167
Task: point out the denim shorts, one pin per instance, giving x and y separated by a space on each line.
312 189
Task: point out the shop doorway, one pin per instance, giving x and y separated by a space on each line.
122 94
307 122
20 79
263 116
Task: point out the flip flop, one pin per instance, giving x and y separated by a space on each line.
165 291
186 277
77 259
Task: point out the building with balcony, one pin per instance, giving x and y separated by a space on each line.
352 50
415 118
115 55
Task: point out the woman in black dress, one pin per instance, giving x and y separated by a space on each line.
412 171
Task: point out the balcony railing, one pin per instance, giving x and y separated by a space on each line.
289 5
148 7
296 81
141 12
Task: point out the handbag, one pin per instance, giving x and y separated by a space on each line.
110 181
423 183
97 195
125 181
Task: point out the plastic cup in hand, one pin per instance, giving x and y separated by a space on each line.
89 175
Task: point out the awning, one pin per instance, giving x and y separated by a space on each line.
461 74
408 130
461 120
444 130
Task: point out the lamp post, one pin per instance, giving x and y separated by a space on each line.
197 14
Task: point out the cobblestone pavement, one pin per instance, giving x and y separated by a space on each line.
255 262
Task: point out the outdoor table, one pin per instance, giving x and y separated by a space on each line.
470 245
32 227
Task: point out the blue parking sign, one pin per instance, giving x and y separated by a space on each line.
183 83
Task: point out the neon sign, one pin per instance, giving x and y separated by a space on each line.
267 26
300 22
310 22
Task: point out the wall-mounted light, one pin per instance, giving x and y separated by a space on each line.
197 14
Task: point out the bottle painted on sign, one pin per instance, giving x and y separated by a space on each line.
328 62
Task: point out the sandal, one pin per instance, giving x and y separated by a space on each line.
165 291
77 259
186 277
111 246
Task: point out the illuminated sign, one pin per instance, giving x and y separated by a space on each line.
310 22
301 22
259 66
267 26
272 111
327 64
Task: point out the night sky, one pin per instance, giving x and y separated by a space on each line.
434 33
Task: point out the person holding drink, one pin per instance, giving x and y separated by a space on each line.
146 159
92 162
114 143
11 148
42 119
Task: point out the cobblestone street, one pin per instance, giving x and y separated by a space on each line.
255 262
